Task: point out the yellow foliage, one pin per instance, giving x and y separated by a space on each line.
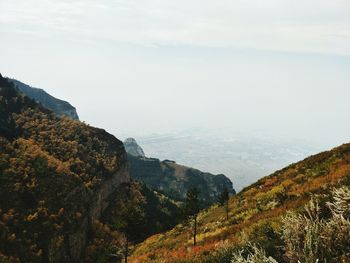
32 217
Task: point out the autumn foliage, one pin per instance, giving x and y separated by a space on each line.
50 170
257 217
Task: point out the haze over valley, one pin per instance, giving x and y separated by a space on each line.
161 131
243 156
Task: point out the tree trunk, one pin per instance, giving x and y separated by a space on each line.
126 249
195 231
227 210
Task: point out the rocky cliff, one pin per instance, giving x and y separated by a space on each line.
56 178
133 148
174 180
60 107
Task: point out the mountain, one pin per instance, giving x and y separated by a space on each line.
56 178
159 212
60 107
133 148
63 185
174 179
298 214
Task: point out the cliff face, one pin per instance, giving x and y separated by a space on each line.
56 176
59 107
174 180
133 148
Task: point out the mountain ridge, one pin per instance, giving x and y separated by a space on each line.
172 179
56 178
63 184
58 106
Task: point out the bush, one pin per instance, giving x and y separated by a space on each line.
310 238
252 254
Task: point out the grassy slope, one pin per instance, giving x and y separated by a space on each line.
255 207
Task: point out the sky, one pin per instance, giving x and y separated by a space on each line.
138 67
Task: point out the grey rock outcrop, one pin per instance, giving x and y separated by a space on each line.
133 148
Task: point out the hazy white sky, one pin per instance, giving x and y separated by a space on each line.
142 66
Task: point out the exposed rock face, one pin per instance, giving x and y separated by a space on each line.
60 107
133 148
96 202
174 180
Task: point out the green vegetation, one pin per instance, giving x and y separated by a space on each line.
192 208
134 213
174 180
65 191
318 233
267 219
129 217
66 195
223 200
51 171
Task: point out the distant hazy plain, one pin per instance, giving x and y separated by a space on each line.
137 68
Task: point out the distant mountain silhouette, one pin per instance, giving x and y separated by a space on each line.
59 107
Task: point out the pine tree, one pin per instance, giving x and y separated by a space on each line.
192 207
224 200
131 217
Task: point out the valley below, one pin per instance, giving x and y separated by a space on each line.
165 131
242 156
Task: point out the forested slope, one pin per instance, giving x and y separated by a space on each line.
56 176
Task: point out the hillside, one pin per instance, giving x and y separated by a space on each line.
56 176
66 194
59 107
63 185
258 215
174 179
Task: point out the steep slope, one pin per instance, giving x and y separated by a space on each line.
133 148
255 213
56 178
174 180
60 107
159 212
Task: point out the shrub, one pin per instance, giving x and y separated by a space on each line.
310 238
252 254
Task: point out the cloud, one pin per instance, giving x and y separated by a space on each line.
319 26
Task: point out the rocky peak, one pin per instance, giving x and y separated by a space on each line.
133 148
